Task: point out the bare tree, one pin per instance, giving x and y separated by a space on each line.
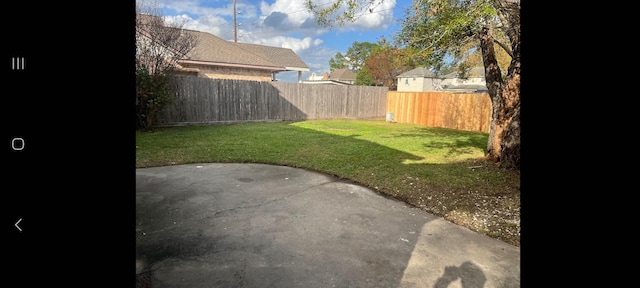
160 45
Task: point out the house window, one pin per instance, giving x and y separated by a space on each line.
406 81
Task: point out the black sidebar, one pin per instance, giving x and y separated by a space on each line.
68 144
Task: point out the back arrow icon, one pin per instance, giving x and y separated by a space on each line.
17 224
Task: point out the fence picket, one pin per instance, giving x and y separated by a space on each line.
210 101
462 111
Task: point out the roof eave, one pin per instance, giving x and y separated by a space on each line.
237 65
303 69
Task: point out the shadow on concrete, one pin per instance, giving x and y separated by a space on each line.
256 225
470 276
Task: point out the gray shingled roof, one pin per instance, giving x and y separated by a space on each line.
342 74
417 72
466 88
280 56
211 48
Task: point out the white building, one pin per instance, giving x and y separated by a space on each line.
422 79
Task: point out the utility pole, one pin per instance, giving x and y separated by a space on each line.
235 26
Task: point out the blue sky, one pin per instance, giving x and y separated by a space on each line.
285 23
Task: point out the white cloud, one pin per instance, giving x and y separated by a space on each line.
295 10
282 17
296 44
378 18
317 60
283 23
285 16
196 9
211 24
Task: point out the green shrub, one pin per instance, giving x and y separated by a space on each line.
153 92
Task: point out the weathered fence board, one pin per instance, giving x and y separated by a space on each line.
462 111
210 101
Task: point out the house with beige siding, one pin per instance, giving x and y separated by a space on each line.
422 79
214 57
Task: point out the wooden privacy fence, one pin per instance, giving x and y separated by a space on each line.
210 101
462 111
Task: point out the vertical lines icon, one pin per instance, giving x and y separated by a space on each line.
17 63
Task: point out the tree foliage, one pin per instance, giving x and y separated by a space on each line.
358 54
386 62
339 12
446 29
439 28
338 62
375 64
354 58
364 78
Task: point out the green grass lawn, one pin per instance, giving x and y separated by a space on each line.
439 170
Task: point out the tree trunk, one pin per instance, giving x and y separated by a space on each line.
493 79
504 135
511 142
510 146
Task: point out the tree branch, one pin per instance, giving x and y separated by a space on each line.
504 46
